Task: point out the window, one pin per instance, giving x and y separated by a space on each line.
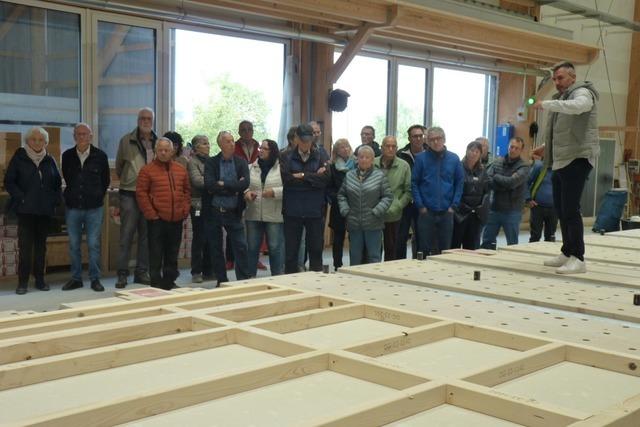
126 79
366 81
411 98
40 71
462 106
221 80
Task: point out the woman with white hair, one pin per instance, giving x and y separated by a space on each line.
364 198
33 181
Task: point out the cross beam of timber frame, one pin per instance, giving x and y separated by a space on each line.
356 44
16 12
429 27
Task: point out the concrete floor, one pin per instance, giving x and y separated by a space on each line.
46 301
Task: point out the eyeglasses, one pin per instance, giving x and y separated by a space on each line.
417 135
246 129
435 139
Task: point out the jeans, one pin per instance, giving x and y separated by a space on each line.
467 233
391 240
540 217
164 244
232 224
359 240
293 229
275 241
508 220
132 221
409 221
32 242
568 184
91 221
201 253
337 248
435 230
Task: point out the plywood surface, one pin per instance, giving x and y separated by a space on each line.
596 253
612 241
598 272
554 292
343 333
448 357
546 323
451 416
76 391
575 386
290 403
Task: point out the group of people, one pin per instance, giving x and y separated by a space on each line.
257 192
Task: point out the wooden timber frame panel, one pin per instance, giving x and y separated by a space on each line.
136 332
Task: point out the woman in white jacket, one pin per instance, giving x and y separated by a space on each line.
264 208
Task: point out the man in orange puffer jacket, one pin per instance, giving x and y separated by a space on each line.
164 196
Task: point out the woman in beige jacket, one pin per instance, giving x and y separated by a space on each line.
264 208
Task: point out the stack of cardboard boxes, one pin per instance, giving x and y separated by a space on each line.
187 237
8 248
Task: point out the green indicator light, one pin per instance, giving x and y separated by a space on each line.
531 100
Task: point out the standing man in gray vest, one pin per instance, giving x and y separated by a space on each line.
571 147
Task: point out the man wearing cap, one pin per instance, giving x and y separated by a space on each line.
304 177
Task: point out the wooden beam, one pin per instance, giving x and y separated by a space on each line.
291 13
467 30
350 52
8 23
112 48
355 44
632 139
13 54
130 80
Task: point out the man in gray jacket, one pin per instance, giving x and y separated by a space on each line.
507 178
135 151
571 147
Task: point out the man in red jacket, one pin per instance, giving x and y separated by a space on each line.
164 196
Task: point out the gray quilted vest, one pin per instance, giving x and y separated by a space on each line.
572 136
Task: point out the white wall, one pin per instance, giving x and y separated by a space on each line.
617 44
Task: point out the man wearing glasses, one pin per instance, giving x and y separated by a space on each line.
436 183
409 218
367 137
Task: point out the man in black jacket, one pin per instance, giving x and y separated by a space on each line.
304 180
85 169
226 176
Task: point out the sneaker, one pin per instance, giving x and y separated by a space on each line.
196 278
97 286
229 265
573 266
21 289
122 281
556 261
261 266
142 278
72 284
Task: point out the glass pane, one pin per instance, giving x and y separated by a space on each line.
238 79
366 81
39 71
459 106
411 96
126 79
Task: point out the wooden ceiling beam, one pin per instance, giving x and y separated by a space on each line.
290 13
355 44
440 45
475 47
495 36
